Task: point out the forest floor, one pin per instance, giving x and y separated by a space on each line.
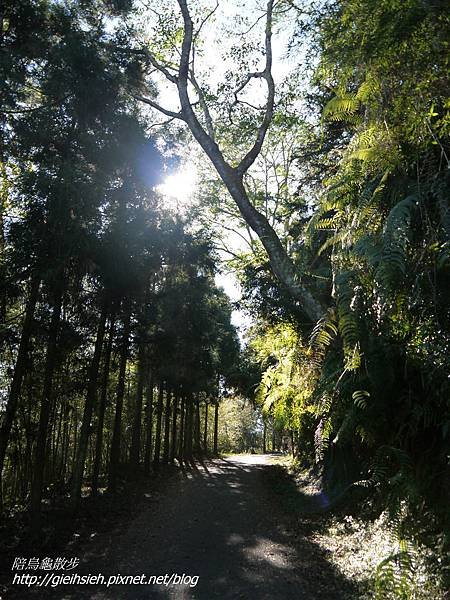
228 522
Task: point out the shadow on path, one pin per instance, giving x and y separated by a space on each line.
217 521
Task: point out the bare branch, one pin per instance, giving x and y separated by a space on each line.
164 69
187 42
204 21
162 123
203 104
205 140
156 106
248 78
226 250
30 109
249 242
253 25
259 108
251 155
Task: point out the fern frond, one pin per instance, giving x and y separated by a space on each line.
341 108
360 398
395 240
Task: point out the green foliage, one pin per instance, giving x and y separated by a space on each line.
378 361
359 197
105 294
394 577
239 426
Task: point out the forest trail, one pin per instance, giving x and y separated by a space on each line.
218 521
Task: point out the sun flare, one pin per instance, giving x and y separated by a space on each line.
180 186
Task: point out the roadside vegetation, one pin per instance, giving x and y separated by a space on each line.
118 354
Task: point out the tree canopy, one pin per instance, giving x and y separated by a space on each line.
332 172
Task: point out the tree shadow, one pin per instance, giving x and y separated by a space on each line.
226 522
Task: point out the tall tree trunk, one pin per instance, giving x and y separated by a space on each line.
186 429
57 439
264 437
19 371
4 185
102 408
159 414
181 440
44 414
148 423
189 422
281 264
78 471
65 443
173 450
216 426
166 452
233 176
137 419
29 429
115 441
205 430
197 447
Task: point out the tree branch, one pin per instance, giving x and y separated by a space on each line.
226 250
251 155
25 109
155 105
205 20
205 140
203 104
281 264
164 69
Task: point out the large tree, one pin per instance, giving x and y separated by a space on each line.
174 54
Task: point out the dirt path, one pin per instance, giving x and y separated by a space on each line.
219 522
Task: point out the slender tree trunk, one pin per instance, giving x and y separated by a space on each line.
4 186
101 409
186 429
115 441
137 420
149 423
197 446
65 444
77 477
264 438
57 441
19 371
181 454
166 452
216 426
44 414
159 412
173 450
189 427
205 430
29 432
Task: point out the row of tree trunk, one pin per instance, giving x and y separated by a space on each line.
94 439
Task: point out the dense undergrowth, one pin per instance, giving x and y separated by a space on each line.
366 548
363 394
116 343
